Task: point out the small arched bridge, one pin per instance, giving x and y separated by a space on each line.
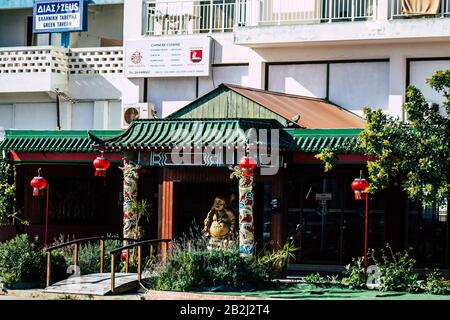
103 283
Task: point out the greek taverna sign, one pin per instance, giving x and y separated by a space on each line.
59 16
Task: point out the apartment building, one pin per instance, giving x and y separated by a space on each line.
35 70
354 53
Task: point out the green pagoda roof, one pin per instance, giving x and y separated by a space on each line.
315 140
171 133
146 134
53 140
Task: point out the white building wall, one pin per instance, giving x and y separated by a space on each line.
302 79
82 116
422 70
114 115
6 116
170 94
234 74
35 116
358 85
105 21
385 89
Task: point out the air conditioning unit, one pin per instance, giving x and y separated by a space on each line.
136 111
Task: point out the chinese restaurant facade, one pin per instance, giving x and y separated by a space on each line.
183 162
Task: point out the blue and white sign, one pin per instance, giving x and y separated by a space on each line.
59 16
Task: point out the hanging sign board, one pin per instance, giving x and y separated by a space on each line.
167 57
59 16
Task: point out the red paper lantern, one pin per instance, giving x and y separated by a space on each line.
38 183
360 185
247 163
101 164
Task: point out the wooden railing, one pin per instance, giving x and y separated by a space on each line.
139 245
76 243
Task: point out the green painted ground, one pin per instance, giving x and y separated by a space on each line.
309 292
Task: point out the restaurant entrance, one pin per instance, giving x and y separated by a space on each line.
325 221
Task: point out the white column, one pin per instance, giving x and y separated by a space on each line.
383 10
133 18
252 10
42 39
74 37
256 71
397 85
134 92
66 115
106 107
133 21
100 111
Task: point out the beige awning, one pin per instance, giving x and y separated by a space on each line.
421 6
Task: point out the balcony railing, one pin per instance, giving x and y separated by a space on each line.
189 17
279 12
96 60
46 59
44 68
412 9
21 60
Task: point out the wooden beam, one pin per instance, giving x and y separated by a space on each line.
167 210
49 256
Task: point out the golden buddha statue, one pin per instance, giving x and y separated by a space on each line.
220 224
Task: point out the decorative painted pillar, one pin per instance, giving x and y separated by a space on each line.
130 186
246 199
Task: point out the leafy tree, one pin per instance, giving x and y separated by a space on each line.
7 191
417 150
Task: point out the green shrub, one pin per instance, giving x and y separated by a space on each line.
276 261
435 284
191 265
314 278
356 277
396 271
88 254
320 281
7 192
20 261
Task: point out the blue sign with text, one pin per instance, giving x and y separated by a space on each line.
59 16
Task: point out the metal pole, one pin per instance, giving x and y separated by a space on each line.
366 231
46 217
58 112
65 39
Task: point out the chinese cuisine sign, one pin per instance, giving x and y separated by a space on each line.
167 57
59 16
